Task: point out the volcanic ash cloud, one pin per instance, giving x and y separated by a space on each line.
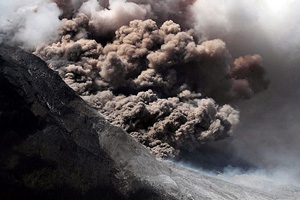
145 73
157 83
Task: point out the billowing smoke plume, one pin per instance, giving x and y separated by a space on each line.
104 22
156 80
23 22
176 10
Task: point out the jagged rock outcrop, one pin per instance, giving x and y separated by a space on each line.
54 146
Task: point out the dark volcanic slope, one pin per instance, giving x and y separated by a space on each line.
54 146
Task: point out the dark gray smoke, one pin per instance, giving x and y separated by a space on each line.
144 82
156 82
164 70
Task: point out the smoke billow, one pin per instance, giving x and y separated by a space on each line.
156 82
143 66
176 10
23 22
268 135
104 22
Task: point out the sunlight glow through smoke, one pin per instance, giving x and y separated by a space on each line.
277 6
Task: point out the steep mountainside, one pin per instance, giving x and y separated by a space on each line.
54 146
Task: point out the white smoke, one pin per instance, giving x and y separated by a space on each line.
106 21
271 20
29 22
